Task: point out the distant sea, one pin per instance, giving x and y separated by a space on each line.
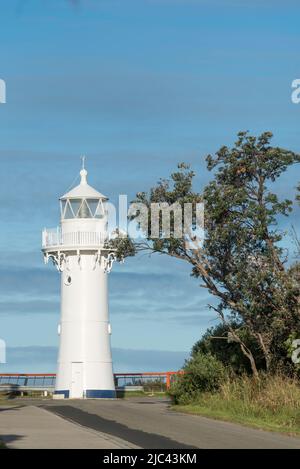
42 359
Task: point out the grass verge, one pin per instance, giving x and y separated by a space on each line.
128 394
272 403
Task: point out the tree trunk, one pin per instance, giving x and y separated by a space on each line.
245 350
265 350
250 357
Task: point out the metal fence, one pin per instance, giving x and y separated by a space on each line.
155 381
30 380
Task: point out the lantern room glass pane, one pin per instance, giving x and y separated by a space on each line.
75 204
99 213
93 204
63 206
82 208
84 211
68 213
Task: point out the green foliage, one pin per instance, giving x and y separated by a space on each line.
122 246
175 190
242 239
290 347
202 372
218 342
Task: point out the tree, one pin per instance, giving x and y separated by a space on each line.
242 240
240 262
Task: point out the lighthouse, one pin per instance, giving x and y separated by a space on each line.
79 250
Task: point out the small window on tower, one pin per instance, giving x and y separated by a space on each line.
68 280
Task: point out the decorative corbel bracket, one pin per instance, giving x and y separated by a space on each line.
108 262
59 260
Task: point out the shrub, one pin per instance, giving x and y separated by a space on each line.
202 373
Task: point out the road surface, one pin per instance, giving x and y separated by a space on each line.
26 427
151 423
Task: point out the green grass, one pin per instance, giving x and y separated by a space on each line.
2 445
272 403
129 394
267 422
4 400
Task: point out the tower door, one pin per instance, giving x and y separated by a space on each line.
77 380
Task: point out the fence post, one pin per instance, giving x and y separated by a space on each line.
168 381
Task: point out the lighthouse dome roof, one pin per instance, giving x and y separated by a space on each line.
83 190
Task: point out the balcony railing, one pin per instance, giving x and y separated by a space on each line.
77 238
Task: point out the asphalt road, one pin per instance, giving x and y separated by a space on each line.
150 423
32 427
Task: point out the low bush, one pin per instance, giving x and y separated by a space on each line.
201 373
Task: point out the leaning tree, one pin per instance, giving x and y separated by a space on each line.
241 261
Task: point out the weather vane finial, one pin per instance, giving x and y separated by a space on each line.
83 171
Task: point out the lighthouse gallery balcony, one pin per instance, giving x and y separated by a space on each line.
54 238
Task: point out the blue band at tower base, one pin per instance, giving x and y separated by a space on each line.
100 393
64 392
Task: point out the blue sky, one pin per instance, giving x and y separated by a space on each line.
137 86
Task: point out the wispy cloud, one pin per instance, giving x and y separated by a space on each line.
28 282
29 307
36 290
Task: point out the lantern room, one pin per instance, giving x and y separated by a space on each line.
83 201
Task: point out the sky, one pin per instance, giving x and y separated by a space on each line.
136 86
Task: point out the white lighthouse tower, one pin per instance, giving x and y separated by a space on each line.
78 250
